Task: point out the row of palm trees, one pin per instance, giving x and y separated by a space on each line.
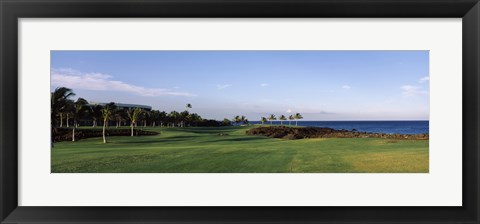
63 108
240 120
282 118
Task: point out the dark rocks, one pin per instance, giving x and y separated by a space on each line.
292 133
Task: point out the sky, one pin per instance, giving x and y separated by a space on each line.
320 85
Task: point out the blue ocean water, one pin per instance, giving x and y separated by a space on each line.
387 127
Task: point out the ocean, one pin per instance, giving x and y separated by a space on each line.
387 127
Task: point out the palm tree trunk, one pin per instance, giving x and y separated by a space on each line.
132 128
153 125
296 122
73 131
104 126
61 120
67 121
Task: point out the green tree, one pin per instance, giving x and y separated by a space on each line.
68 111
133 115
243 119
119 115
145 117
174 117
78 109
290 118
154 117
195 118
227 122
185 118
298 116
96 112
263 120
107 112
59 100
282 118
237 119
163 117
272 118
65 110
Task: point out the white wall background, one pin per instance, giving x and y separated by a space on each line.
442 186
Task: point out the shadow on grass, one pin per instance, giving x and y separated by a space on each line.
163 140
206 130
243 139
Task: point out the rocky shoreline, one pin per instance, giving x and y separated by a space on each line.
292 133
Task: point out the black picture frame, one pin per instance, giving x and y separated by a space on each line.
12 10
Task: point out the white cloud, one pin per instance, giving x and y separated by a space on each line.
264 84
103 82
346 87
409 90
424 79
289 111
223 86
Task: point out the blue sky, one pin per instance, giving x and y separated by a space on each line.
321 85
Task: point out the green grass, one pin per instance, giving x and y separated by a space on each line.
202 150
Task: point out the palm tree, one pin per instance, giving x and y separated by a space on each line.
133 116
184 116
68 111
119 115
263 120
145 117
154 117
65 110
173 117
297 117
78 108
107 111
237 119
96 111
195 118
59 99
162 117
290 118
272 118
243 119
282 118
226 122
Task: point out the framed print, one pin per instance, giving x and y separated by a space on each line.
249 112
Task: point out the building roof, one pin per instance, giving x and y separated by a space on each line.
125 105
